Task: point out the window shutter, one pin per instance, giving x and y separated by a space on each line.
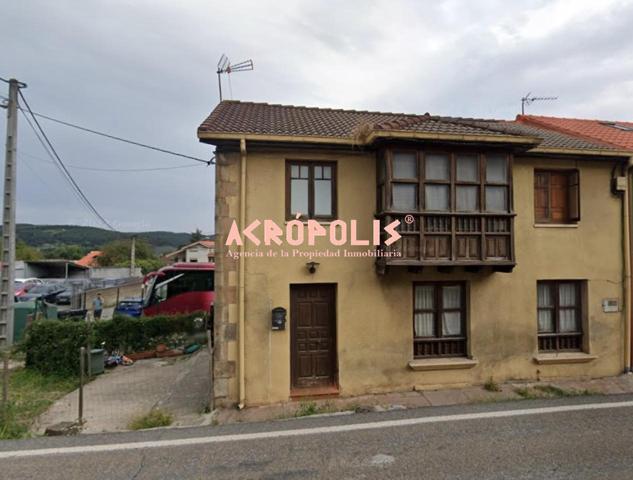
541 197
574 196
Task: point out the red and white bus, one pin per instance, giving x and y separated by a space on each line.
179 288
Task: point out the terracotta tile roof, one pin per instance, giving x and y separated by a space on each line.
248 118
550 138
616 133
265 119
90 259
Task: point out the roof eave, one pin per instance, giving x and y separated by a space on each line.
496 139
582 151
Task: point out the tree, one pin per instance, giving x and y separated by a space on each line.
196 236
117 254
26 252
67 252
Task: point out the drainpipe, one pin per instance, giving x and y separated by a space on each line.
241 279
628 336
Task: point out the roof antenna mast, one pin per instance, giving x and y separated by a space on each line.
527 100
225 66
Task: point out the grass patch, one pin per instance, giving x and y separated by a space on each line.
549 391
153 419
311 408
30 395
492 386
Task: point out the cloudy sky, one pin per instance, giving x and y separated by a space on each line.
145 70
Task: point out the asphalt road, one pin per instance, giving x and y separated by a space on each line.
584 437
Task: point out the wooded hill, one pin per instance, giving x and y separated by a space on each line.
93 238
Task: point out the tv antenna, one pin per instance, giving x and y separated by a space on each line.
527 100
225 66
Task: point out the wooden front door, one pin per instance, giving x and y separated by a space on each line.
313 336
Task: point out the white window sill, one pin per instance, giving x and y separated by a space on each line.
428 364
563 357
555 225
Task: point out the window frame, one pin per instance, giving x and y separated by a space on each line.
311 194
556 334
437 319
571 174
421 182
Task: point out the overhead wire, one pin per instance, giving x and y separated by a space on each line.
97 169
52 152
125 140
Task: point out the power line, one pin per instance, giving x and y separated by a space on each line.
125 140
95 169
63 167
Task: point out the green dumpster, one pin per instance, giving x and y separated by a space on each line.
96 361
23 310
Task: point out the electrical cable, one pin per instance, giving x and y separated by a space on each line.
63 166
125 140
96 169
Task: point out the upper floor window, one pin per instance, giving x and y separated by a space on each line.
311 189
445 181
556 196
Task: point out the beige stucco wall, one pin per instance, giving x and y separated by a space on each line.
374 313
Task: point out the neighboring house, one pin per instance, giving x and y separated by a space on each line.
511 262
202 251
616 133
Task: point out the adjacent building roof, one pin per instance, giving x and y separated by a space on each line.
90 259
232 120
210 244
616 133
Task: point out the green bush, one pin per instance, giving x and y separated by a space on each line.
52 346
131 334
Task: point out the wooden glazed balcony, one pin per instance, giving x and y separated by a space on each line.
448 239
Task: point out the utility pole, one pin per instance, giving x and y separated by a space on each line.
133 256
7 268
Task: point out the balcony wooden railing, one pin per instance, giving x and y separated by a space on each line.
449 239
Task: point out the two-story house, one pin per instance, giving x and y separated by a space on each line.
511 261
202 251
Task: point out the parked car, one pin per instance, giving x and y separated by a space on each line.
23 285
63 298
46 292
132 307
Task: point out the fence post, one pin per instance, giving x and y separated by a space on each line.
211 373
82 366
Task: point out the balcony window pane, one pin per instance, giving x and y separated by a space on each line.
496 199
436 197
436 167
405 196
405 165
299 196
467 168
424 297
567 295
568 320
451 297
496 168
544 295
467 198
451 323
423 324
545 321
323 197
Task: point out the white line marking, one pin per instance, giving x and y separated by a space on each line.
183 442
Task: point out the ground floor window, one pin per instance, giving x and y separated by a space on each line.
439 320
559 317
